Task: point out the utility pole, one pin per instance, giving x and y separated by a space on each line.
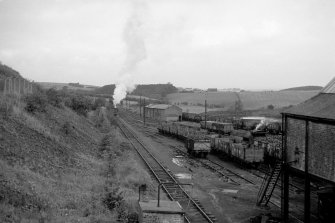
206 112
140 106
144 112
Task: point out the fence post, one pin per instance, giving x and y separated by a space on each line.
10 85
20 80
4 88
17 86
12 80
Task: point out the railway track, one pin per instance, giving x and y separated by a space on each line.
221 170
224 171
230 175
193 209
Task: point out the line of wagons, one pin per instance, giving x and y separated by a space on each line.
263 125
239 145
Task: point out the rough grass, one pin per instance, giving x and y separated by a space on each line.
34 123
7 103
49 176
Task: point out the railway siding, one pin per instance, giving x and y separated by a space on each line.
194 210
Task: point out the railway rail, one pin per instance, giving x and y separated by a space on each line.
225 172
193 209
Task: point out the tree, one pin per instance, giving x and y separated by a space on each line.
271 107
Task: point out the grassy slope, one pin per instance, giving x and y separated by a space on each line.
48 175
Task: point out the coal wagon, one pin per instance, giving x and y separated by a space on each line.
198 147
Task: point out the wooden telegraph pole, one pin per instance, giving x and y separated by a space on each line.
206 114
140 105
206 111
144 112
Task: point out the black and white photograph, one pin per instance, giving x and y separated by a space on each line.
167 111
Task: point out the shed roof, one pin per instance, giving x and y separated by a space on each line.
319 106
330 87
253 118
160 106
172 207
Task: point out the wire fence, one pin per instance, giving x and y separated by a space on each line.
15 86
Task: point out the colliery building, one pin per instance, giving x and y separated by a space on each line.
309 150
163 112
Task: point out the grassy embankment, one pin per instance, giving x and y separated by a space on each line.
58 166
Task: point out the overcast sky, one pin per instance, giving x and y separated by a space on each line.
190 43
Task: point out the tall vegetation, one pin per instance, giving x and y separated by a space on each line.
6 71
36 102
40 99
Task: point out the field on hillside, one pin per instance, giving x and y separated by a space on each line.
250 100
59 86
258 100
222 99
197 109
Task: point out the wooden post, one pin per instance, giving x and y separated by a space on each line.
11 86
307 178
140 106
144 112
5 87
206 114
20 86
285 175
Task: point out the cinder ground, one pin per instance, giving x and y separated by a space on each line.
227 201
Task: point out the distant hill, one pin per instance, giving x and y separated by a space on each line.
107 89
6 71
304 88
156 91
69 86
250 100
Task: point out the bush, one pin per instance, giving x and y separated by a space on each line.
99 102
54 97
67 128
36 102
112 198
80 104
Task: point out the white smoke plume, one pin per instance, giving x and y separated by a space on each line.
135 50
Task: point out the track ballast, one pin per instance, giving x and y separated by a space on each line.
193 209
